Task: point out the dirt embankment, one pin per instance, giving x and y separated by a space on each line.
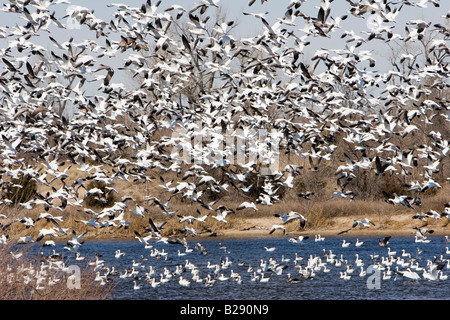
396 225
259 227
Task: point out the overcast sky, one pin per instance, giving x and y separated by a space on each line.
248 26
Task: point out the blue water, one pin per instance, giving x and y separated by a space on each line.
244 253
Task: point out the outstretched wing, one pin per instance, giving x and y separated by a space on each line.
344 231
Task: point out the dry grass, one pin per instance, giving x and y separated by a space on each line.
321 212
30 278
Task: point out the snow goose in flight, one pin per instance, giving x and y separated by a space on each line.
122 222
26 221
422 232
221 216
25 240
291 216
277 227
46 232
433 214
154 228
306 195
188 219
364 223
383 242
49 217
76 240
430 184
408 274
401 200
91 222
190 231
247 205
421 216
201 218
139 211
59 228
343 194
143 240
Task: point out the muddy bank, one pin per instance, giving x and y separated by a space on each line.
259 227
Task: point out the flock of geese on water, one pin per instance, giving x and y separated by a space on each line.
292 269
117 133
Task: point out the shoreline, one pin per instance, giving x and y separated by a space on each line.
259 227
394 225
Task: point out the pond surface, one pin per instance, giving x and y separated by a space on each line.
247 271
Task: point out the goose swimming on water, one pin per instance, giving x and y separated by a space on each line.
318 238
344 275
298 239
118 253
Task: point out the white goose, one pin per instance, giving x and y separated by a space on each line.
119 254
408 274
154 283
135 285
264 279
345 276
318 237
362 272
390 252
183 282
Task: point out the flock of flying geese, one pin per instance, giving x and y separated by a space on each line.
197 79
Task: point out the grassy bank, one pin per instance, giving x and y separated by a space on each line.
324 214
25 276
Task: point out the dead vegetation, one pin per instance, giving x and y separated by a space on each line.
27 276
